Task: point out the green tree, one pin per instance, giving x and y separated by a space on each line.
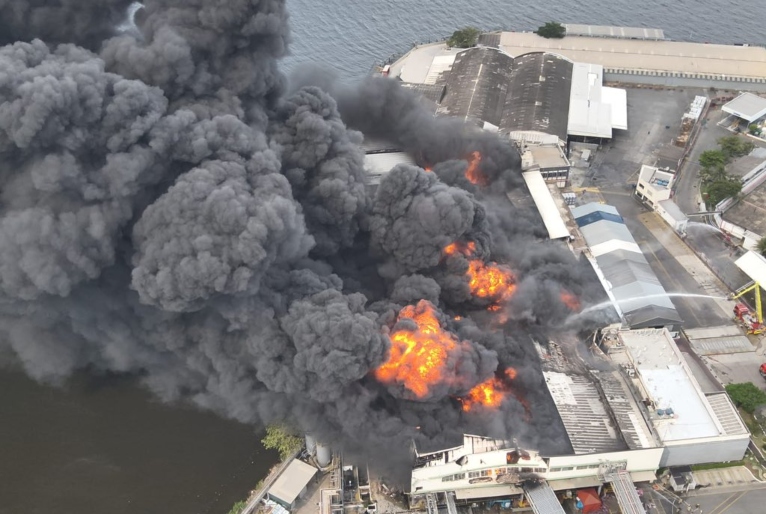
754 129
761 246
746 395
238 507
713 164
282 439
464 38
722 189
552 30
734 146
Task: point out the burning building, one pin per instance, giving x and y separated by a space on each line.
175 209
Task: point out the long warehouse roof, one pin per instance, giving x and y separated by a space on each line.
552 219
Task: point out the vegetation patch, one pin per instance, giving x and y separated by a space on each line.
464 38
717 465
746 395
238 507
552 30
282 439
717 184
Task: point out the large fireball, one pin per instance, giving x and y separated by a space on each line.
421 358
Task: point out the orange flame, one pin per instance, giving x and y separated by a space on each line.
428 168
489 393
491 281
473 174
570 300
418 359
466 249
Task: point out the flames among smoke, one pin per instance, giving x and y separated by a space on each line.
473 173
418 358
490 393
570 300
490 281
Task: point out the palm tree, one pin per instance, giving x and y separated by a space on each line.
761 246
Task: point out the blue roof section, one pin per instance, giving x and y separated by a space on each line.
629 276
595 216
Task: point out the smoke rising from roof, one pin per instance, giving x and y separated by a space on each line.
169 209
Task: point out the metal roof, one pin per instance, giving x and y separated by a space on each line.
588 208
652 316
747 106
589 115
538 97
754 266
478 84
585 417
613 32
542 499
432 94
618 101
629 278
668 382
292 481
634 430
727 414
595 216
605 230
627 272
546 205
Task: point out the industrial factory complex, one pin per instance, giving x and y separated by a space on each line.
645 406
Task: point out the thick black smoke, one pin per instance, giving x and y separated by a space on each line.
169 210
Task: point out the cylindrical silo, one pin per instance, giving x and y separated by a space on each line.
311 444
324 455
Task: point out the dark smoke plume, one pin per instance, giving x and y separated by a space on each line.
169 209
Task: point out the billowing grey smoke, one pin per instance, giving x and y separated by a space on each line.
415 216
168 210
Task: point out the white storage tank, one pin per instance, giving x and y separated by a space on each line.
324 455
311 444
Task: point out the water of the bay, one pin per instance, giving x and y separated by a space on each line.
104 445
352 36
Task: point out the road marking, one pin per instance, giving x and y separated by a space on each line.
727 504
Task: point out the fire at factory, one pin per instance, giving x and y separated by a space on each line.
177 210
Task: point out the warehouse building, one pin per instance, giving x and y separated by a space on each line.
747 107
625 273
693 427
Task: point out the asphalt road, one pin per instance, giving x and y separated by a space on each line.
746 499
614 172
687 187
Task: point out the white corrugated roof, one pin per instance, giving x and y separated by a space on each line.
292 481
552 219
618 100
612 245
754 266
588 114
747 106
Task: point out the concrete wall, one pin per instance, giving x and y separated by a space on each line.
705 451
682 81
